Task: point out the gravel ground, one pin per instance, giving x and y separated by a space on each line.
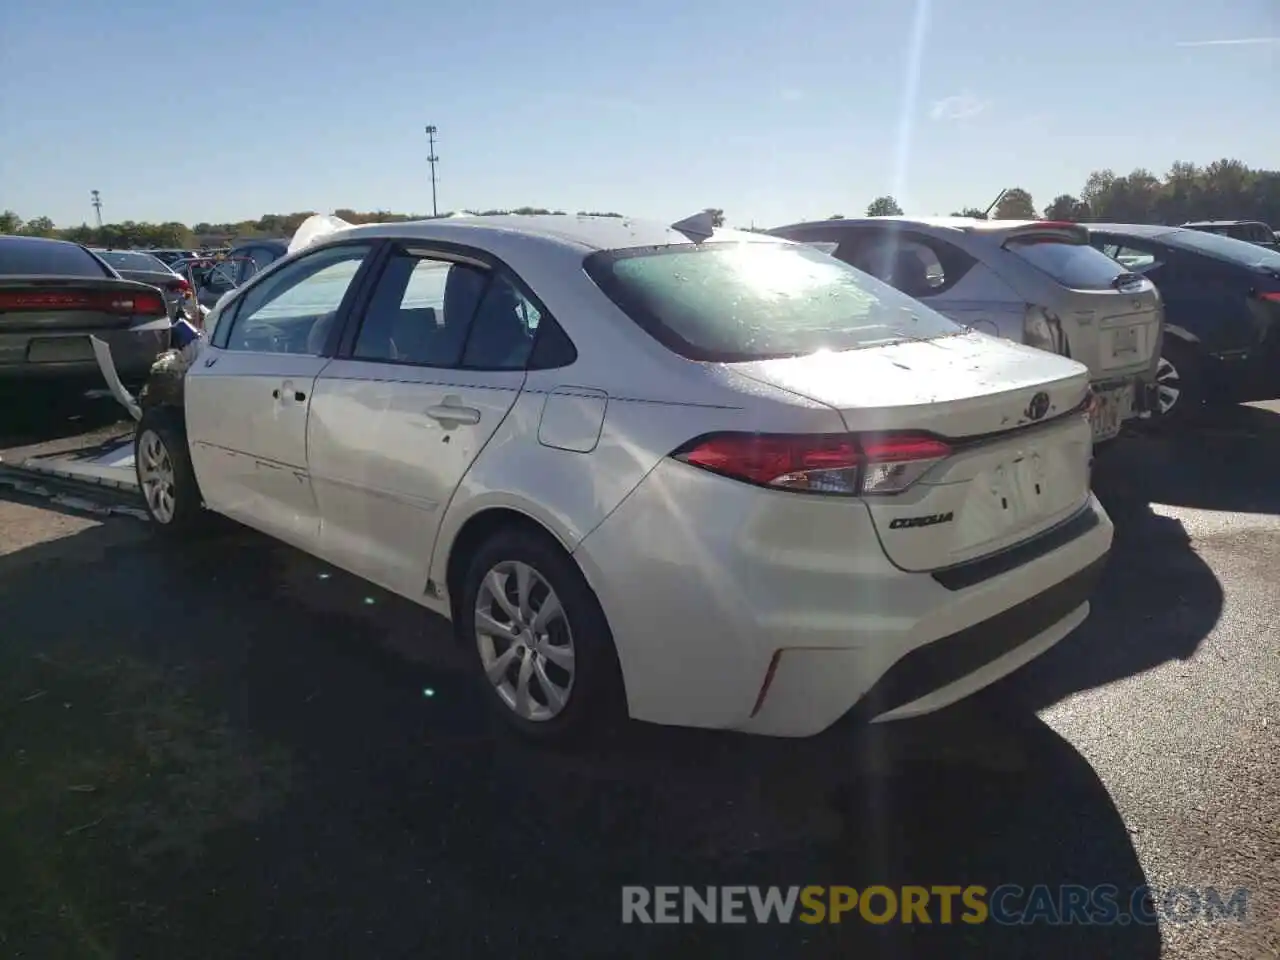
231 750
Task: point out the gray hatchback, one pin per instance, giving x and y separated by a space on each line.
1035 282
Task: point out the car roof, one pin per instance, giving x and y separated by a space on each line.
971 224
583 233
1224 223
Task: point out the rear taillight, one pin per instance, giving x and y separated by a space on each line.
1270 297
141 304
840 464
144 303
179 286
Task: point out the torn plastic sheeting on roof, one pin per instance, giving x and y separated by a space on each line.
315 227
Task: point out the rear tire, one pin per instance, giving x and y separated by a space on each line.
1181 392
166 479
544 654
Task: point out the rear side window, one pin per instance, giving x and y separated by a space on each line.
51 258
1075 265
730 302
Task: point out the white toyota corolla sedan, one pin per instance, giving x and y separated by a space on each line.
702 478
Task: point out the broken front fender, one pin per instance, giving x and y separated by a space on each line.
164 382
102 353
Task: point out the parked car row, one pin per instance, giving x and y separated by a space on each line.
1093 292
148 269
684 474
1039 283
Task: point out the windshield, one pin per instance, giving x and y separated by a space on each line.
1224 248
127 260
732 302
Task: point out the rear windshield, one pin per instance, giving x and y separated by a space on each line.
50 258
731 302
1224 248
125 260
1074 265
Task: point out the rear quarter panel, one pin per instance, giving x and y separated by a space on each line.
571 491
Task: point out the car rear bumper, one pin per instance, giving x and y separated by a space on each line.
134 350
777 613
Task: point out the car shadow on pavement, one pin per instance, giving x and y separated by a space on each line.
1227 461
1157 602
267 757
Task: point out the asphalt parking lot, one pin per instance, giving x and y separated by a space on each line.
231 750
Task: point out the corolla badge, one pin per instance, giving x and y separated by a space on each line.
1038 406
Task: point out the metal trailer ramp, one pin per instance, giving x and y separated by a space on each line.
96 480
108 465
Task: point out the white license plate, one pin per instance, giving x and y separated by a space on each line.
1124 341
1108 411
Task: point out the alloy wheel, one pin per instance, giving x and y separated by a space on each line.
1168 385
524 640
156 476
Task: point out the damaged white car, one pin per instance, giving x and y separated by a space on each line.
688 475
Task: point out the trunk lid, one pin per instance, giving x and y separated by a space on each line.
1021 441
56 304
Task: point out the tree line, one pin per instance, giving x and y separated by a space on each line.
132 234
1222 190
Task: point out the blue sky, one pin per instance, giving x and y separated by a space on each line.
774 111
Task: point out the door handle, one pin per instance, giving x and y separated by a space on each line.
296 395
452 411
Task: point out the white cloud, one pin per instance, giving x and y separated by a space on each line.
1241 42
790 95
962 106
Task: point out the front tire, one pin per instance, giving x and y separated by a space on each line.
165 476
544 652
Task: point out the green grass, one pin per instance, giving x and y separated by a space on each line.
111 773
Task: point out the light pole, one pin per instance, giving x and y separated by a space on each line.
431 159
97 206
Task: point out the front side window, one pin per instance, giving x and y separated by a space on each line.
1129 256
294 310
745 301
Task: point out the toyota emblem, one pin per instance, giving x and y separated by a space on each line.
1038 406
